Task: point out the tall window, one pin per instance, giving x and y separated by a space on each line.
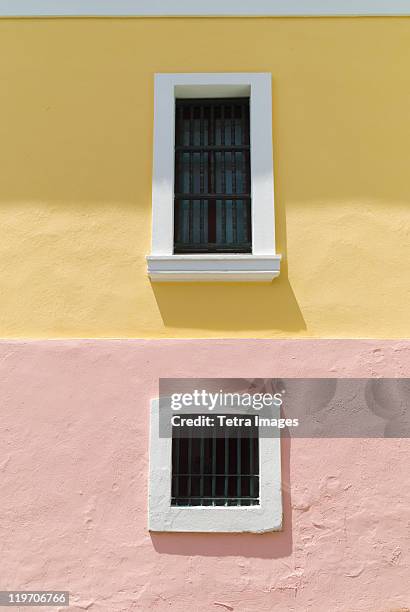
212 176
213 213
215 471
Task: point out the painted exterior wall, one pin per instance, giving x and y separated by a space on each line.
74 468
75 190
76 133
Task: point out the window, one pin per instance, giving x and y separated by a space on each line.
212 196
212 211
213 484
215 471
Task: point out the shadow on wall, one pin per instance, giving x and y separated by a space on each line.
230 306
235 306
264 546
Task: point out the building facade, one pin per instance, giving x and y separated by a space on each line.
292 123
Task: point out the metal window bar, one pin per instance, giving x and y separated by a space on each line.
212 201
211 470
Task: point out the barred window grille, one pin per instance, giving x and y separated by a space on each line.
212 211
215 471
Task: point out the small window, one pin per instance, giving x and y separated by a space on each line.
212 176
215 471
213 483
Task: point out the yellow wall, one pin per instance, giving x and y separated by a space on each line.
76 100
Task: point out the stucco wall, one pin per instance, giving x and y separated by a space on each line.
75 186
74 466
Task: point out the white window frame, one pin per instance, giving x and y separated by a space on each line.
267 516
263 264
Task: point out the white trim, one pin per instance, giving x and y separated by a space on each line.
258 86
223 8
213 268
255 519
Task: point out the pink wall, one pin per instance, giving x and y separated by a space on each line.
74 467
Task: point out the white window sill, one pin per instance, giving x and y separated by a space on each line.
215 267
199 519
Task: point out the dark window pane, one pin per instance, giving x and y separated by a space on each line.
212 176
219 471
